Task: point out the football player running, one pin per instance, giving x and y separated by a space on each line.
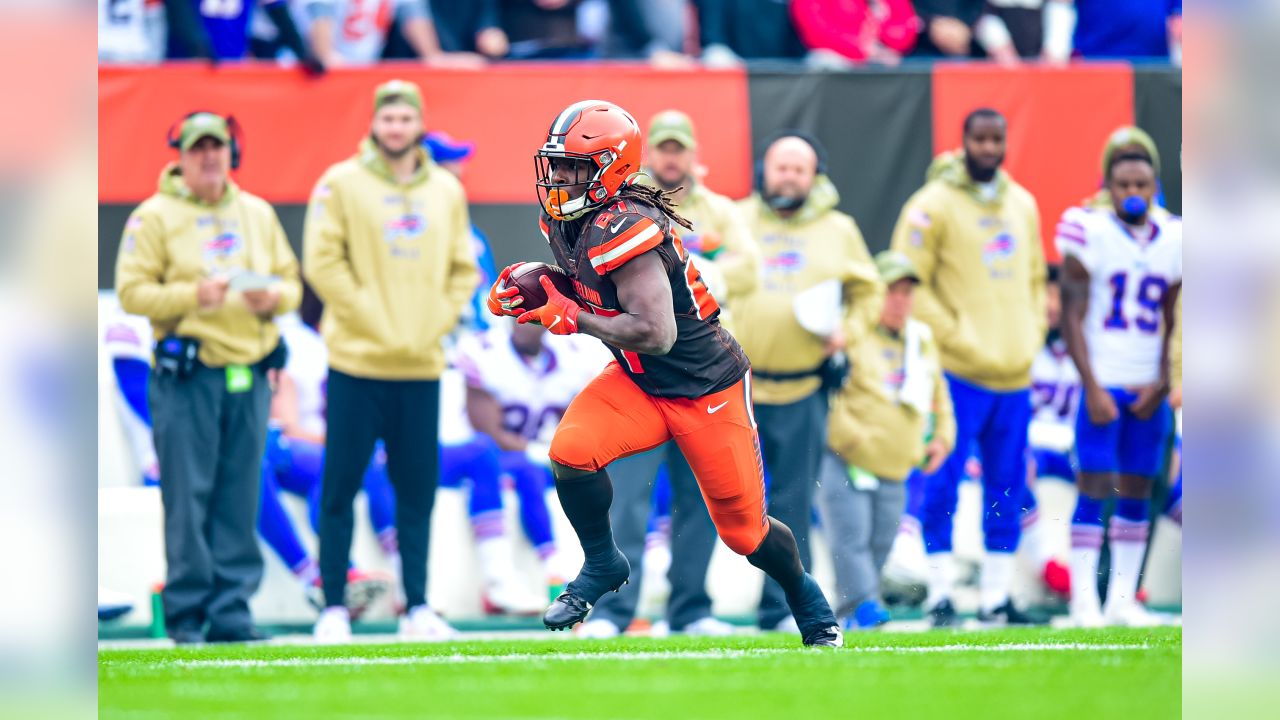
1122 273
676 372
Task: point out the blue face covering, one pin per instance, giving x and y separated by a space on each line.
1133 210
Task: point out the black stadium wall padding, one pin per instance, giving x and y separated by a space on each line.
1157 108
876 127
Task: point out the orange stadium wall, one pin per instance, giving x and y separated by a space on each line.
880 127
1058 124
296 127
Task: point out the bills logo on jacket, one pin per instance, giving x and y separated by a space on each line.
405 227
997 248
223 246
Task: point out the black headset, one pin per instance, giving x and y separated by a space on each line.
818 149
233 129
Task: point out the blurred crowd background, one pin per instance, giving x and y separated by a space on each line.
322 34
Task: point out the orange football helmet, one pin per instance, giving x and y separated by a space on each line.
603 140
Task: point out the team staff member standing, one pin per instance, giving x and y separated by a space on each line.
877 437
973 235
387 246
182 251
805 242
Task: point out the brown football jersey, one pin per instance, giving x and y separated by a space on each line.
705 358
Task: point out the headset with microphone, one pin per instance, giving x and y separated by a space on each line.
818 149
233 130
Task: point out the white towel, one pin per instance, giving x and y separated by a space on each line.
917 376
818 309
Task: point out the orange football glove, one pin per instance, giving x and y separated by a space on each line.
504 300
559 316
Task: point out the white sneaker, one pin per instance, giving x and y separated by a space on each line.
710 627
1129 613
660 629
113 604
560 569
421 624
334 626
654 584
1087 618
510 597
598 630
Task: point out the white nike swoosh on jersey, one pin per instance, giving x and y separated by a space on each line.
712 410
554 322
615 226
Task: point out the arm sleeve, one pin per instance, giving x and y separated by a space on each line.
324 249
1072 237
740 259
916 236
863 291
140 269
464 275
285 267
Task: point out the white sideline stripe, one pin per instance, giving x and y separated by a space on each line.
633 656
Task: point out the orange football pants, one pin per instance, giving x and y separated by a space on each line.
613 418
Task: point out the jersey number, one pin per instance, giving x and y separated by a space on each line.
1059 397
1151 291
515 418
365 16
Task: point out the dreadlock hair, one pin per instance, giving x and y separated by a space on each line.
657 197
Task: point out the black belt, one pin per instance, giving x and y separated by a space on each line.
274 360
784 376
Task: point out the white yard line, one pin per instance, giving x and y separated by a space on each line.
459 659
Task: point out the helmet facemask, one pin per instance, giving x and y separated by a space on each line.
583 190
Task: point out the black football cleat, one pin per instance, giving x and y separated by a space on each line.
1009 614
832 637
566 611
812 612
572 605
943 615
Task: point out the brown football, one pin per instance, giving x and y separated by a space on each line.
527 278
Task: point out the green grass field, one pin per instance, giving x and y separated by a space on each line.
1033 673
